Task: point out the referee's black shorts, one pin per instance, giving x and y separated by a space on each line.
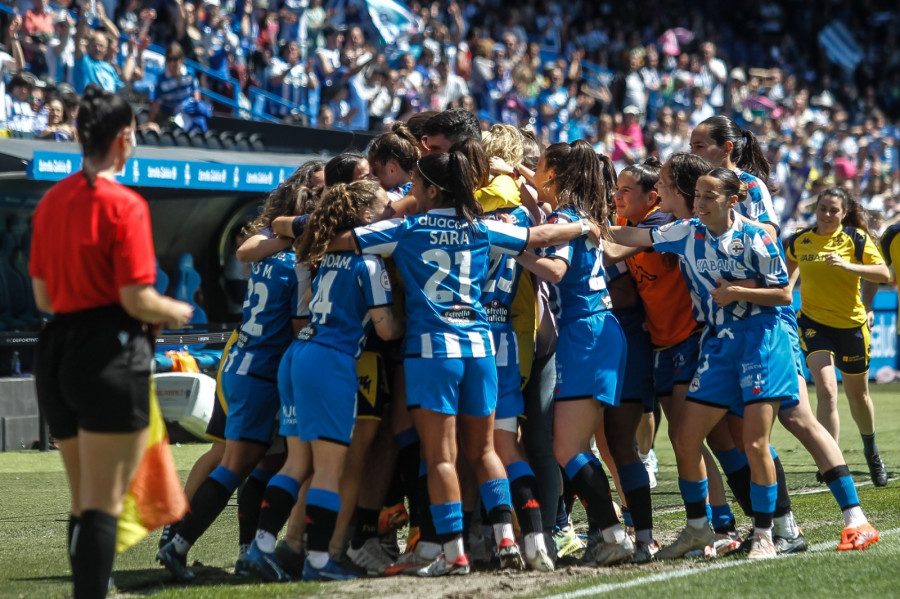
92 371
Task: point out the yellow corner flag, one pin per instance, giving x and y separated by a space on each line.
155 497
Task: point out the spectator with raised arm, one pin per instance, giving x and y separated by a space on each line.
92 57
60 53
37 27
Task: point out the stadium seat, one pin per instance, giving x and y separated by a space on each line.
142 116
197 139
20 308
150 137
167 140
186 289
227 140
182 140
162 280
212 140
242 142
256 142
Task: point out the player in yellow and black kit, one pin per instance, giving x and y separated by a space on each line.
833 256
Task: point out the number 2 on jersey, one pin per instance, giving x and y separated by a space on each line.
441 258
261 293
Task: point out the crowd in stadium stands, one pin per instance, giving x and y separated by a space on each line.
631 78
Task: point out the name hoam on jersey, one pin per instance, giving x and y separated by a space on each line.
336 261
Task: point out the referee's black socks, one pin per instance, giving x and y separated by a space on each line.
70 548
94 539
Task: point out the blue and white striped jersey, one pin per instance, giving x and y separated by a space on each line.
758 203
266 331
582 290
744 251
294 87
172 91
501 287
344 289
444 263
503 275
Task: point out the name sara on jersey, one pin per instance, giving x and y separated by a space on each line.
456 233
449 238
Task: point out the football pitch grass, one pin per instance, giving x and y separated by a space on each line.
34 512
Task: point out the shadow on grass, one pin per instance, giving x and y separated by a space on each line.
150 580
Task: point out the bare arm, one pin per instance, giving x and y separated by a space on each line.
387 326
41 295
147 305
614 253
632 236
869 289
528 196
15 44
549 269
153 111
500 167
404 206
81 32
283 226
558 233
876 273
793 272
257 247
734 291
110 27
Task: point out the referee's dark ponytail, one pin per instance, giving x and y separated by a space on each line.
101 117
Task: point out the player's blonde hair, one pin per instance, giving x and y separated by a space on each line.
505 142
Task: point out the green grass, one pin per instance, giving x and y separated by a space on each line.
34 510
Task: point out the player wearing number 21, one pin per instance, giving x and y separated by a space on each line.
442 254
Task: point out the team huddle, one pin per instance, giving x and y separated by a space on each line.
471 326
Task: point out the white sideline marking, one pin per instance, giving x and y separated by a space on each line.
812 491
665 576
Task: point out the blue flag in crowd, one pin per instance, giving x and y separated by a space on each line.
840 45
393 20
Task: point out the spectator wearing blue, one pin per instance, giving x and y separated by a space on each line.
91 58
552 105
218 39
173 86
291 79
328 58
20 115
